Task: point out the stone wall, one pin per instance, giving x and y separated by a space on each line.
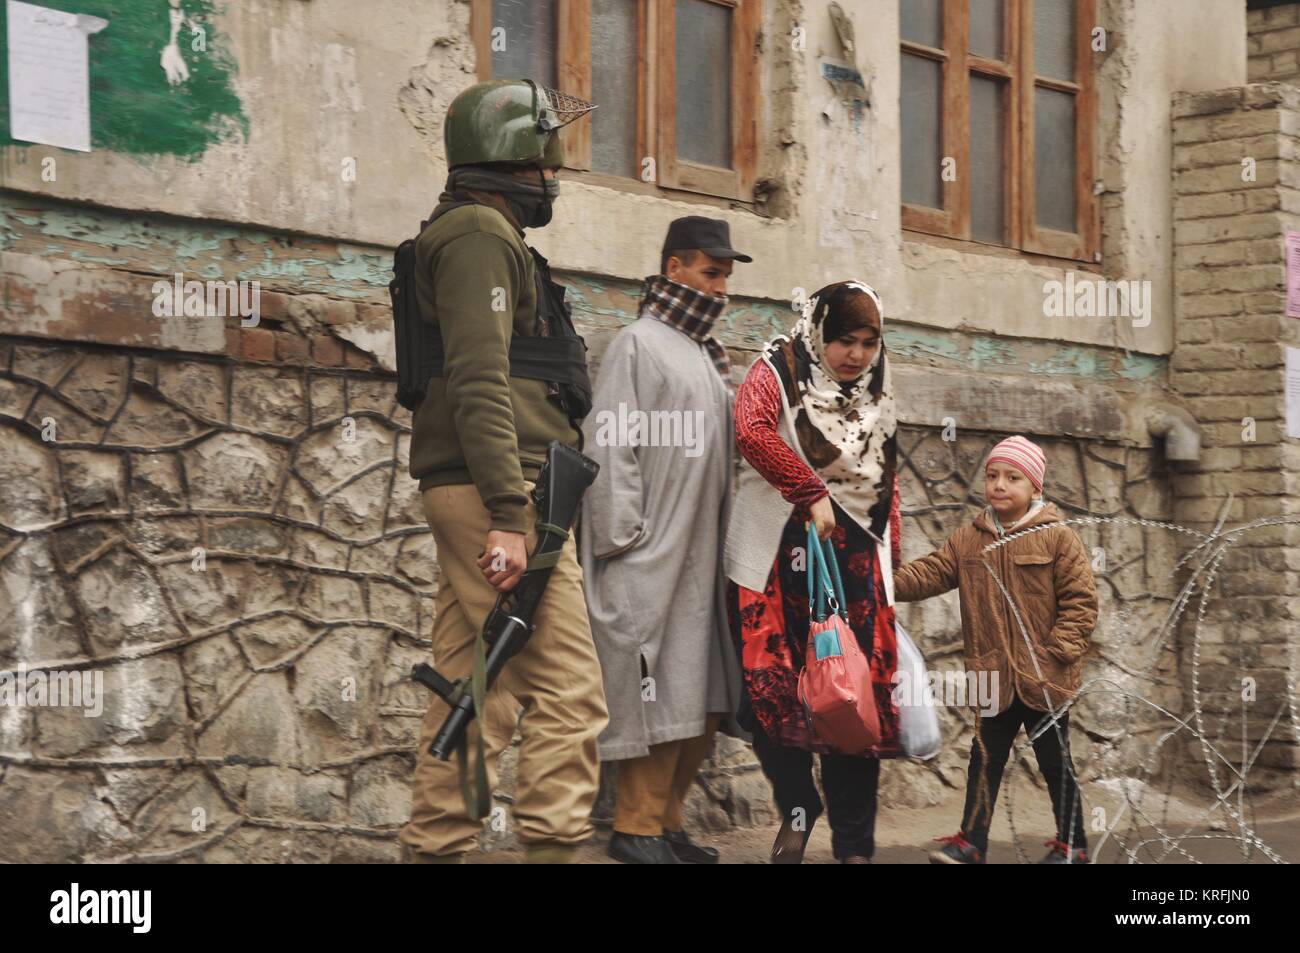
237 548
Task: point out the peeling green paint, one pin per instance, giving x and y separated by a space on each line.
98 259
916 343
985 351
115 235
595 284
748 323
296 264
598 300
133 108
1070 360
372 269
1141 367
164 245
192 246
271 267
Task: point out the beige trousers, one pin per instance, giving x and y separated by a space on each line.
652 788
555 679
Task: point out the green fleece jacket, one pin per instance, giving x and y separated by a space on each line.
476 424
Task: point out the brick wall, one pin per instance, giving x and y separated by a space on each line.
1273 43
1231 329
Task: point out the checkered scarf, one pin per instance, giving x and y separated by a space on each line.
689 311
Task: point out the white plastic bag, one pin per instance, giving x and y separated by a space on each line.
918 720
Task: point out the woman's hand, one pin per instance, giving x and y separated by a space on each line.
823 515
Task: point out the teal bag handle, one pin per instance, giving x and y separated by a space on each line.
820 587
835 571
815 591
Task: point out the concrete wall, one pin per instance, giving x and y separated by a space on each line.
313 87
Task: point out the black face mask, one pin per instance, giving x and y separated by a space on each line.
530 204
541 212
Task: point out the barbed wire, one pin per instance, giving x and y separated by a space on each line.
1208 555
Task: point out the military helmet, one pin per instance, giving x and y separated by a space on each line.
509 120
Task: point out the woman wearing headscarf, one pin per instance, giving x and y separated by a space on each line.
815 424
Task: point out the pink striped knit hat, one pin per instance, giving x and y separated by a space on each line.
1025 456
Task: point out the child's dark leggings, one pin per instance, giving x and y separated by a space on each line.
998 732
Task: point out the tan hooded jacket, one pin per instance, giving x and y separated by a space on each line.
1047 575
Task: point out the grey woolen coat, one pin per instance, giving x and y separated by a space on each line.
650 540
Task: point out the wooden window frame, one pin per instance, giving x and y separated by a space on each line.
1020 228
656 125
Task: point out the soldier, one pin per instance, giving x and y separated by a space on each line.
479 437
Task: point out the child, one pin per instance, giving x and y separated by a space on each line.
1050 582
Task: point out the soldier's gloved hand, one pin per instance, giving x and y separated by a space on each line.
503 560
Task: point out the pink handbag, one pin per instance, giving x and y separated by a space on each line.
835 684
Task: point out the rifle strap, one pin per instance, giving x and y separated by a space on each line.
545 560
478 798
548 560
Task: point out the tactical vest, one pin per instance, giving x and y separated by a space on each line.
556 353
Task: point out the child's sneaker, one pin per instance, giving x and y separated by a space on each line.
1062 853
956 850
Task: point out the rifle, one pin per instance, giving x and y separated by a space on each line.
562 480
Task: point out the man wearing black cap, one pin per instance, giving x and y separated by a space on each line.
697 253
651 537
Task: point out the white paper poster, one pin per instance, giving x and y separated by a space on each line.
1292 274
1293 392
49 75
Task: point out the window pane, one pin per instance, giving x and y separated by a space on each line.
703 82
986 162
919 104
986 28
921 21
526 30
613 77
1054 158
1054 38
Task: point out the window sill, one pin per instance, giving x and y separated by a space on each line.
972 247
620 183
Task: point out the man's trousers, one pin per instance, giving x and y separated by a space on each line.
652 788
